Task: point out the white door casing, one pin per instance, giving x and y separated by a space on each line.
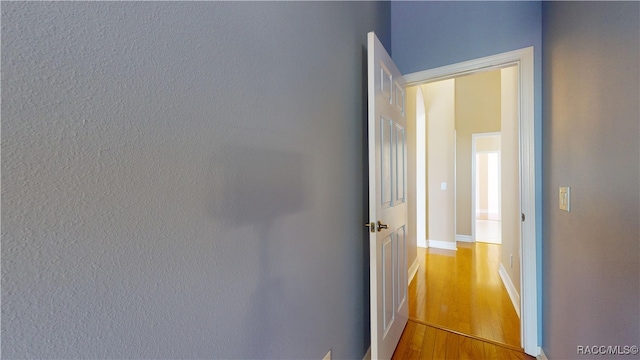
387 200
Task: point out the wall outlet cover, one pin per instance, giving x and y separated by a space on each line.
328 356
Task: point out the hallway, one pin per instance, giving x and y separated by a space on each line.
462 291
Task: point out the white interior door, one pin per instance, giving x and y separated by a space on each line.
387 200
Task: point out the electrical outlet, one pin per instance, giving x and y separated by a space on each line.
328 356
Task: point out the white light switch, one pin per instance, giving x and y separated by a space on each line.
443 186
565 198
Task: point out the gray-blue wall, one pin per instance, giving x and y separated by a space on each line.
591 143
431 34
185 180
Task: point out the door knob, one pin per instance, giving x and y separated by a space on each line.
382 226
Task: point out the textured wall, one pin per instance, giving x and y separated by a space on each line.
592 143
185 180
429 34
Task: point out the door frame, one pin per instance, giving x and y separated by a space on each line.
474 152
523 58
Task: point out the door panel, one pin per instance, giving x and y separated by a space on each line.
388 277
401 145
387 199
386 129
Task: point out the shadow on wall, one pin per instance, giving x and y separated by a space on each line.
256 188
256 185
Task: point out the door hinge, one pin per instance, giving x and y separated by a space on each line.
523 217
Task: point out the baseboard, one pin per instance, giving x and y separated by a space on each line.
422 243
445 245
511 289
413 269
367 355
464 238
542 355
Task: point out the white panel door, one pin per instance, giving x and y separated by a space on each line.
387 200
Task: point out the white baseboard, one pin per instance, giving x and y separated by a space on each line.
413 269
367 355
464 238
446 245
422 243
511 289
542 355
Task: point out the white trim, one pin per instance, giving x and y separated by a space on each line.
421 163
413 269
468 67
423 243
511 289
445 245
367 355
528 267
542 355
455 174
464 238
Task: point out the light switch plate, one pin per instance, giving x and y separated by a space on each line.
443 186
565 198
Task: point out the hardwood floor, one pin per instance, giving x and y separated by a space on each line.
465 295
421 341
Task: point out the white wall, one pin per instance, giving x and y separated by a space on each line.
413 230
484 146
440 112
510 172
477 111
185 179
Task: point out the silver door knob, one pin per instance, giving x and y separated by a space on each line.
382 226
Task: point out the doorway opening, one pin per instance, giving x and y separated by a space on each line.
463 118
527 271
486 188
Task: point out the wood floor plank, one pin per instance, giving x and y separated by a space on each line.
452 347
490 351
428 344
440 344
477 349
503 353
413 350
465 348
